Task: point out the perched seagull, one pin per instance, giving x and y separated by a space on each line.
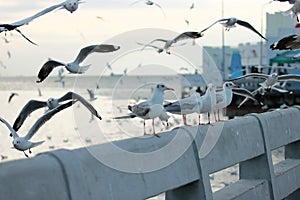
11 96
91 94
230 23
208 101
150 3
74 66
294 10
169 43
271 80
151 108
23 143
70 5
291 42
189 105
51 103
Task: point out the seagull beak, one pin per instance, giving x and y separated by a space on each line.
170 89
236 86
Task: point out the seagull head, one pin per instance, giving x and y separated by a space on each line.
17 142
162 87
274 75
71 5
230 85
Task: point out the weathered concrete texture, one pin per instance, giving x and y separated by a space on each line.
178 163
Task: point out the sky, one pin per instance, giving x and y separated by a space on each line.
61 34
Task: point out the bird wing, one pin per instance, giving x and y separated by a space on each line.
10 97
220 20
31 106
28 19
47 69
135 2
141 109
249 26
243 92
44 118
14 133
75 96
290 42
148 45
289 77
255 75
131 115
187 35
24 36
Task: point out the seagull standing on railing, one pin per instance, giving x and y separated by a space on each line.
74 66
51 103
169 43
151 108
188 105
229 23
23 143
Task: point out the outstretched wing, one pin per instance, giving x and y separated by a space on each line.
31 106
254 75
102 48
14 133
243 92
188 35
47 69
249 26
289 77
74 96
28 19
48 115
24 36
220 20
290 42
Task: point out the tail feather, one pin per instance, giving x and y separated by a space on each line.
34 144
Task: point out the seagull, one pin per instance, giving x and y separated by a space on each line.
11 96
224 97
208 101
23 143
151 108
230 23
291 42
70 5
169 43
74 66
271 80
91 94
150 3
294 10
51 103
188 105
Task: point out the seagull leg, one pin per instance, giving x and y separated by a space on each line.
184 119
215 115
145 128
30 151
199 119
219 115
25 154
208 116
154 129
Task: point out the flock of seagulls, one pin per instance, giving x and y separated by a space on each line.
213 100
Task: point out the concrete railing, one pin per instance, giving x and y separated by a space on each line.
247 141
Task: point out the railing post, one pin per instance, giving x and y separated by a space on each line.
260 167
200 189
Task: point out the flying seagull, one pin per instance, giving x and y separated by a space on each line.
169 43
150 3
11 96
271 80
291 42
74 66
151 108
70 5
230 23
23 143
51 103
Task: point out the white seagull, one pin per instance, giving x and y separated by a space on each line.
150 3
224 97
271 80
91 94
208 101
23 143
51 103
294 10
70 5
169 43
291 42
188 105
151 108
231 22
74 66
